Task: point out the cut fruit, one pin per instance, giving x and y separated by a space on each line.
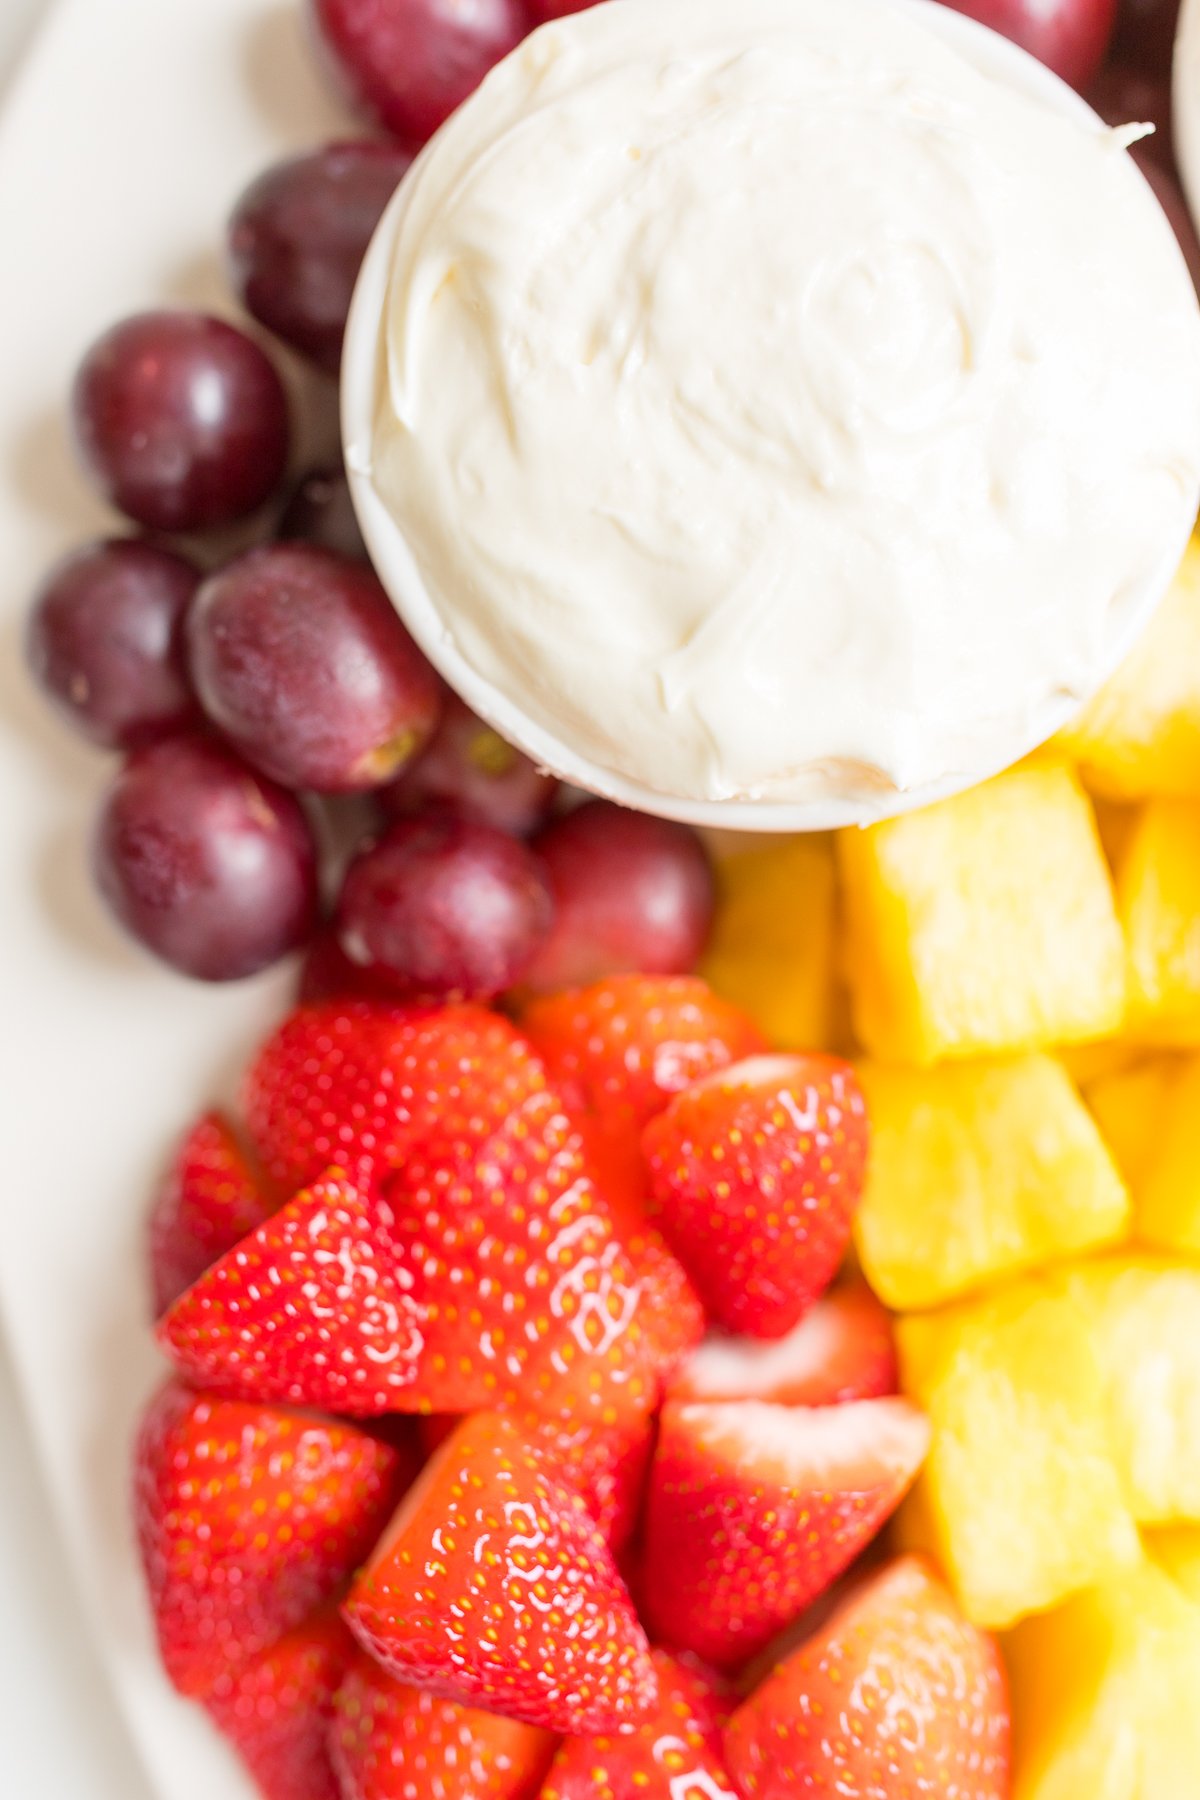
494 1586
1140 735
1104 1693
1020 1501
277 1710
842 1349
894 1695
1158 896
1168 1192
210 1198
771 950
979 1171
984 923
753 1510
1131 1108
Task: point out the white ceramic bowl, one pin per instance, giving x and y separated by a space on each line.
400 575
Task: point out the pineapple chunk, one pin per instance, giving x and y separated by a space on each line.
1131 1109
984 923
1158 898
771 950
1168 1198
1104 1694
1086 1063
978 1171
1140 735
1019 1500
1176 1548
1146 1333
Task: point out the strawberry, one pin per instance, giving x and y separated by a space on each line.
753 1510
247 1519
532 1299
842 1349
675 1753
621 1048
210 1198
755 1172
493 1586
895 1695
278 1709
395 1742
360 1085
314 1308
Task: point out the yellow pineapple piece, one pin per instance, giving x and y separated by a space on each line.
1168 1187
1086 1063
1176 1549
984 923
1146 1334
1020 1499
1140 735
1158 898
1131 1108
771 950
1104 1693
978 1171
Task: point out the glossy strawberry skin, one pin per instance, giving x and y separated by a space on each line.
753 1510
494 1587
674 1752
754 1176
895 1694
364 1085
248 1519
209 1199
313 1309
391 1741
278 1710
842 1349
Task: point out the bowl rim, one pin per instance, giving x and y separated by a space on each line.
398 571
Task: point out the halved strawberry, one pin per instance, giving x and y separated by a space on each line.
248 1518
532 1298
493 1586
622 1047
363 1085
674 1754
842 1349
278 1710
754 1176
895 1695
210 1198
754 1509
391 1741
314 1308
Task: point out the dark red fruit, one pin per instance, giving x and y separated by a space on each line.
320 511
630 892
105 641
300 660
469 767
557 9
209 866
298 236
1145 35
1069 36
443 908
409 63
180 420
1126 96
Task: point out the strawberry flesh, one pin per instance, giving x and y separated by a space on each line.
842 1349
753 1510
494 1587
895 1695
278 1710
210 1198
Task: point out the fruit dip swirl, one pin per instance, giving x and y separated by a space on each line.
777 405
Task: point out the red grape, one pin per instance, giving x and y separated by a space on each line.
105 640
180 420
443 908
1069 36
541 10
409 63
631 892
300 660
1145 35
471 769
206 864
298 236
320 511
